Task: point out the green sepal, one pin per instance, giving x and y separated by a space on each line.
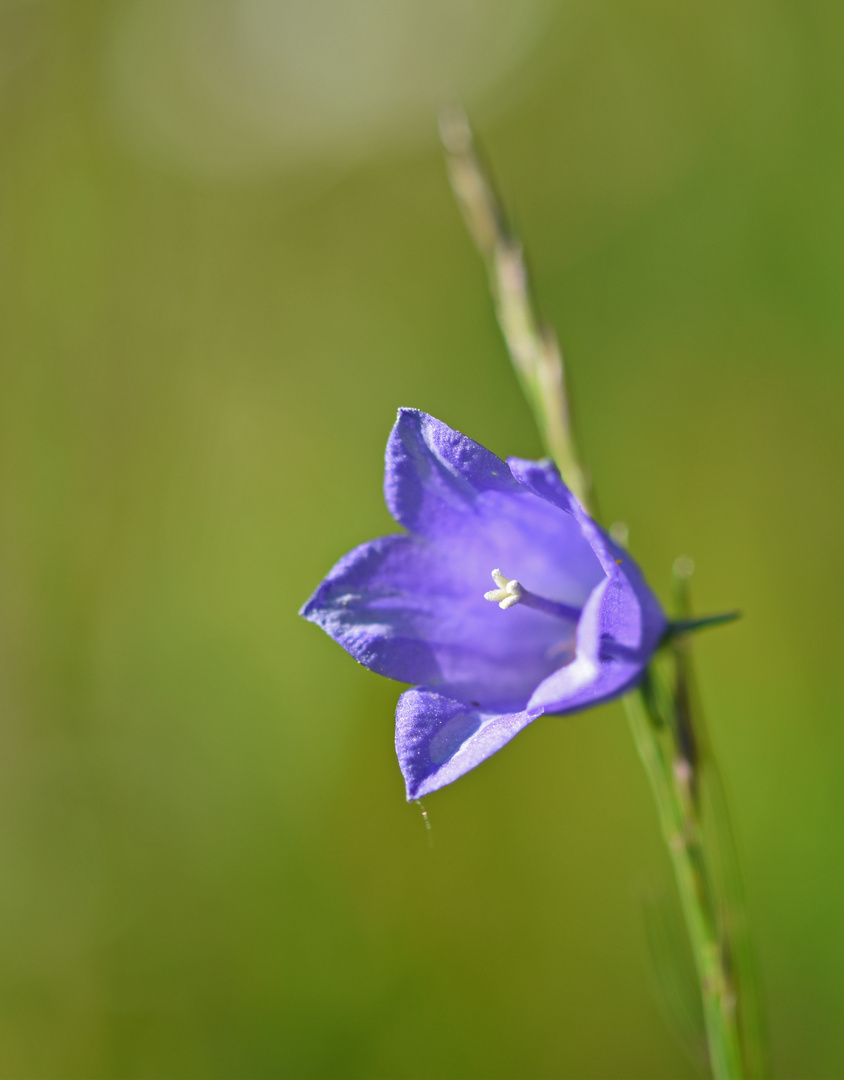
691 626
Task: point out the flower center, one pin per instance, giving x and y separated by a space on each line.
511 592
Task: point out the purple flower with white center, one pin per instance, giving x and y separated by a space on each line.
575 626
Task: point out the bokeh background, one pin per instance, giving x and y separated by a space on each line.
228 252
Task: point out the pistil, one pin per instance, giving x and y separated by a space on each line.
511 592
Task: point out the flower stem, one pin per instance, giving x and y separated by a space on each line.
670 735
672 782
532 344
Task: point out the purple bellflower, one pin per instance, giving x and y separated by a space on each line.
576 626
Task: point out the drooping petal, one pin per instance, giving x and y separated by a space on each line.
438 739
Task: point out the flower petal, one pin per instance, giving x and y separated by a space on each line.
434 475
439 739
544 480
415 612
365 604
621 624
450 490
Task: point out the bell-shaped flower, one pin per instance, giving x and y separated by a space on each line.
502 602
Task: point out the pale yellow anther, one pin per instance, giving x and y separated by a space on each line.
508 593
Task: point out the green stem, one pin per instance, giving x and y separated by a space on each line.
671 779
532 344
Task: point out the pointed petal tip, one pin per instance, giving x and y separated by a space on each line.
543 478
314 608
407 418
407 412
306 611
415 792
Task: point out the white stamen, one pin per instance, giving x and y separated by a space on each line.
508 593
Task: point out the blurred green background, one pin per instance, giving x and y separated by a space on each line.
228 252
